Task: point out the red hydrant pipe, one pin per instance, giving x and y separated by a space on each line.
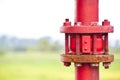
86 13
87 72
86 42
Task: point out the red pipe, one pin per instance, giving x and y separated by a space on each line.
86 72
86 12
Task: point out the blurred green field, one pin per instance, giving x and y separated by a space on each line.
43 66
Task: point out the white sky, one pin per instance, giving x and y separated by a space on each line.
38 18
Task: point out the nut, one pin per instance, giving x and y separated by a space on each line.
106 65
67 64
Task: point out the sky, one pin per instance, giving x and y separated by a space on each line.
39 18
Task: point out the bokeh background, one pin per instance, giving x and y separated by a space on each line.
31 44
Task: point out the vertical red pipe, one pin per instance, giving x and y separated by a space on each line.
87 72
86 12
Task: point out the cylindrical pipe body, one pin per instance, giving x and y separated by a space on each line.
86 12
87 72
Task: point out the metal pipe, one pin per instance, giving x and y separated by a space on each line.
86 13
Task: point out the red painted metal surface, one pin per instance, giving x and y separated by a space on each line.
86 11
87 29
86 72
86 42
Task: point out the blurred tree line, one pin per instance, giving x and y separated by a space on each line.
46 44
8 43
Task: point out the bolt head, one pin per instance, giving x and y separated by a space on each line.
106 65
85 48
106 22
67 64
66 20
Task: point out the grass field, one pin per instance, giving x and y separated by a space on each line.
38 66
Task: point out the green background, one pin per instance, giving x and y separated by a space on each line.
45 66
